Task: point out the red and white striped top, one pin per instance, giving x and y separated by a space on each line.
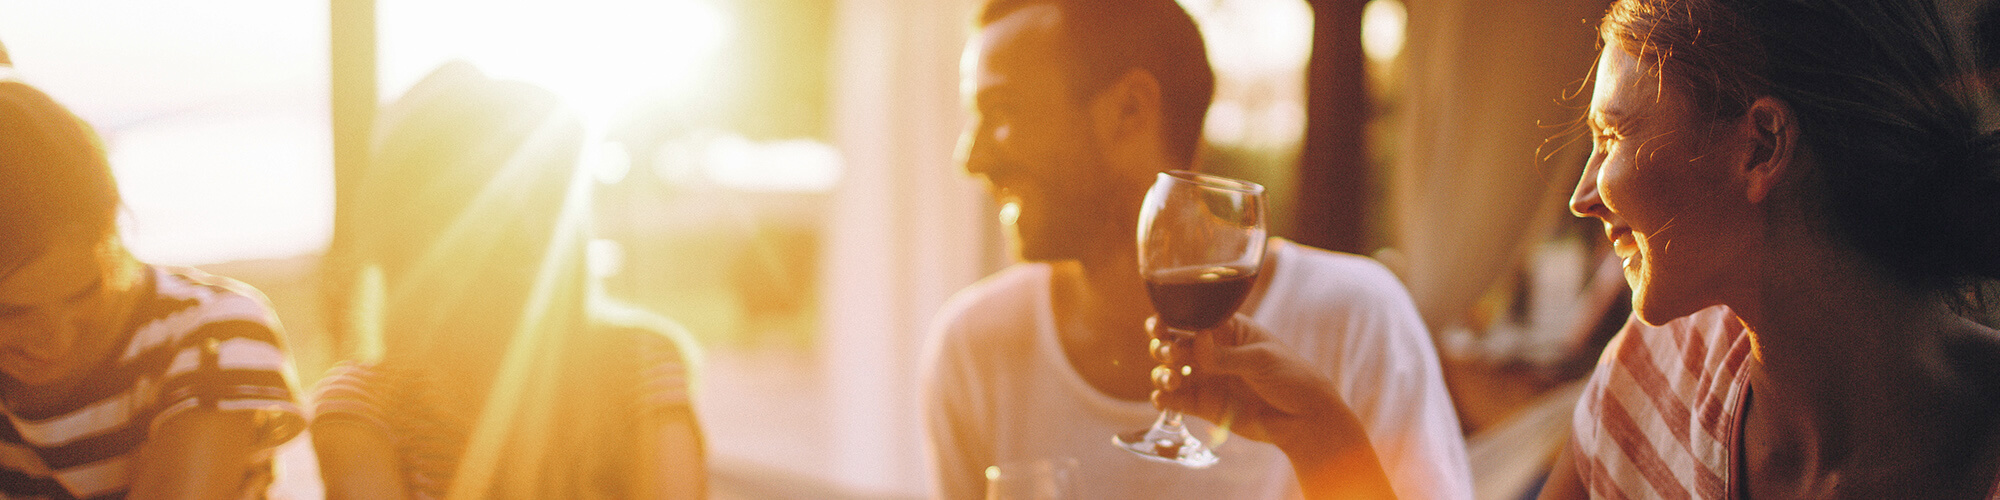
1661 413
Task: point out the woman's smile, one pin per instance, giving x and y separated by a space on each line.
1622 242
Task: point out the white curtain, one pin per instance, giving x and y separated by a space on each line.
1475 187
906 229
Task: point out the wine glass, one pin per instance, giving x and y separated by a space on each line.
1201 239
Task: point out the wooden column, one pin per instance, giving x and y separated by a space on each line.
1335 186
353 92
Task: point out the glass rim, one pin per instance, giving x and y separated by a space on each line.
1213 181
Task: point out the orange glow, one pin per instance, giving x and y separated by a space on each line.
597 54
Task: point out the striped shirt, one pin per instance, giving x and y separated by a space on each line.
429 439
1662 413
196 341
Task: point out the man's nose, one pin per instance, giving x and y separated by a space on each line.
968 142
977 149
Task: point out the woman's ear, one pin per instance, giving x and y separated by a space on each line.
1127 112
1773 132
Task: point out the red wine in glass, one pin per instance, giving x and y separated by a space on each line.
1201 238
1197 298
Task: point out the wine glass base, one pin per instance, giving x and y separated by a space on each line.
1167 446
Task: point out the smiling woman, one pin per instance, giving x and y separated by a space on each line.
1657 179
119 378
1802 193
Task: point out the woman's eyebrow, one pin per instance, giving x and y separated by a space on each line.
1608 116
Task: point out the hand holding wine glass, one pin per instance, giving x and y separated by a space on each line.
1201 239
1243 377
1246 377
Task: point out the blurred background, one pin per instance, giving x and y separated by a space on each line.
777 175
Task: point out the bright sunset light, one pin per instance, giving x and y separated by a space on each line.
597 54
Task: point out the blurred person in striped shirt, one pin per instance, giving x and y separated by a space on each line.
119 378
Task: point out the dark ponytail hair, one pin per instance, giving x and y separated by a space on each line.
55 181
1887 108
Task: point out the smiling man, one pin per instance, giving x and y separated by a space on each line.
1078 105
117 378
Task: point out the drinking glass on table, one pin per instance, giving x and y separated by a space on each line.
1201 238
1039 479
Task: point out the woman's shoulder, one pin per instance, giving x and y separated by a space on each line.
207 290
184 301
640 326
667 356
661 344
351 388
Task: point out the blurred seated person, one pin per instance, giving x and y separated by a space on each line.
119 378
501 373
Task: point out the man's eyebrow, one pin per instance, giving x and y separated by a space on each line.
6 272
988 96
95 285
8 268
996 86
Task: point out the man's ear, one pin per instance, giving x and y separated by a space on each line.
1128 110
1774 146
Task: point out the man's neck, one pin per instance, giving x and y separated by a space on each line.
1101 306
1100 312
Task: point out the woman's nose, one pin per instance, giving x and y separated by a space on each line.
1584 202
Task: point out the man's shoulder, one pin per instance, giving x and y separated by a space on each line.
994 315
1321 263
1316 275
1011 293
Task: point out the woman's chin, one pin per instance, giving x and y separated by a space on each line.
1655 310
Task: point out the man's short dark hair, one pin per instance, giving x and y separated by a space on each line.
1103 39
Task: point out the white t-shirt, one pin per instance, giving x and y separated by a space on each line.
999 390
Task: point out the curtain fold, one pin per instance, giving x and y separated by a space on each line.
1493 92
